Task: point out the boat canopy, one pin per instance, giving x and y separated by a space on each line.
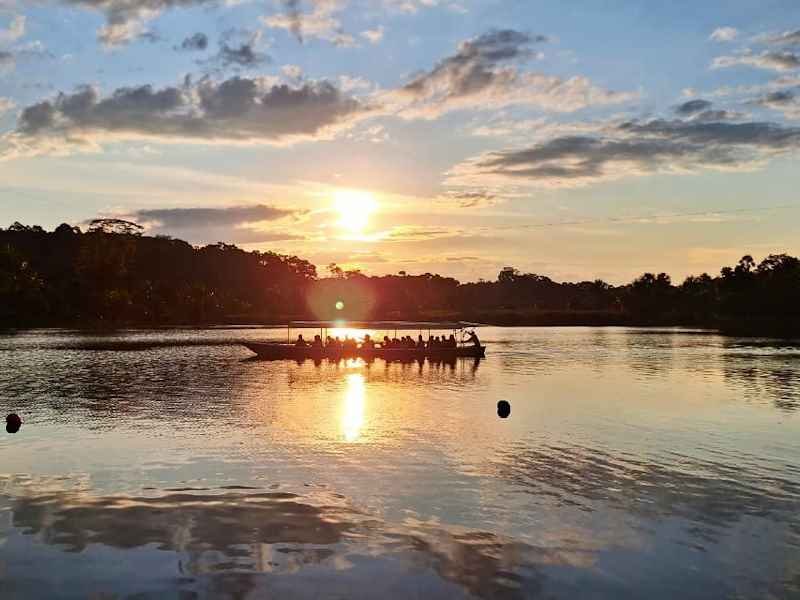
395 325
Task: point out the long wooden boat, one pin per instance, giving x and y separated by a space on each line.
289 351
278 351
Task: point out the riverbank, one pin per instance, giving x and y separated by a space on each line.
749 326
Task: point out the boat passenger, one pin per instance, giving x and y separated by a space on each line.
300 343
473 337
451 343
368 343
420 343
387 343
317 343
395 343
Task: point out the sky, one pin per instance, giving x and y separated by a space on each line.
578 140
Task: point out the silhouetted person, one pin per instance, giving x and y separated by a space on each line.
420 342
503 409
473 337
300 343
317 343
13 423
452 341
386 342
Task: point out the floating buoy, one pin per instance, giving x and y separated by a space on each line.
503 409
13 423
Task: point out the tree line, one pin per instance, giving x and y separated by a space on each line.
112 274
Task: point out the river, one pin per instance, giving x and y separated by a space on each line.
656 463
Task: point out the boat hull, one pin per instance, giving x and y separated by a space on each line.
277 351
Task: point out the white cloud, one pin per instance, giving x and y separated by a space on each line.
481 75
321 22
373 35
724 34
776 61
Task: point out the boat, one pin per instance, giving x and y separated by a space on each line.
289 351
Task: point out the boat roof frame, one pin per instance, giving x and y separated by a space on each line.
395 325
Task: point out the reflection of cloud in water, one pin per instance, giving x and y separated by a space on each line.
234 543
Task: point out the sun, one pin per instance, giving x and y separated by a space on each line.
355 208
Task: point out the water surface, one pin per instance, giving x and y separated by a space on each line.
635 463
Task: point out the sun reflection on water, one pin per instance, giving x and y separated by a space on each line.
353 408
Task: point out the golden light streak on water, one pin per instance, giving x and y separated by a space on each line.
353 408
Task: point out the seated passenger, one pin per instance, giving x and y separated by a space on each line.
368 343
420 342
451 343
317 343
300 343
387 343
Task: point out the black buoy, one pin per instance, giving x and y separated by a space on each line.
13 423
503 409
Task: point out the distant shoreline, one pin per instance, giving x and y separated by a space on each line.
768 327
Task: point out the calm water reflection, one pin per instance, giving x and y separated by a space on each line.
166 464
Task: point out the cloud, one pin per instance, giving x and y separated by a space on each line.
471 198
320 23
244 56
6 104
700 110
196 42
7 60
373 35
126 19
785 38
190 218
236 224
776 61
724 34
239 48
31 51
633 148
292 71
481 74
238 109
14 31
785 101
692 107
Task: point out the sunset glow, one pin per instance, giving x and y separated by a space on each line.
354 208
454 138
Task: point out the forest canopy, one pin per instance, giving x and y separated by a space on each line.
112 274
